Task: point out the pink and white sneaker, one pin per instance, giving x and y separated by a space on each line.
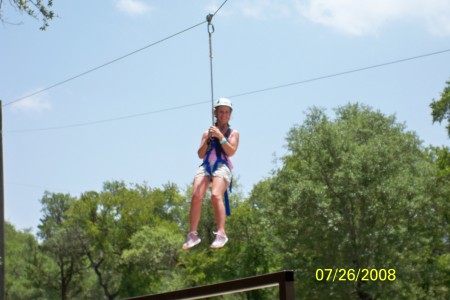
220 241
191 240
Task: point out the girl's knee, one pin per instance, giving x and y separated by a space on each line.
216 196
197 198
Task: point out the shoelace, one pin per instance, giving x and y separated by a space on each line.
193 235
220 236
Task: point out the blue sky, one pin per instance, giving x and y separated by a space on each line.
140 118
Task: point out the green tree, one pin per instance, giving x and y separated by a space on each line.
21 249
38 9
59 244
441 108
441 195
153 257
111 226
353 193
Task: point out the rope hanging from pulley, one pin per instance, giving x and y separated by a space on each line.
210 32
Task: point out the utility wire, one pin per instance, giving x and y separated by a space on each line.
106 120
112 61
233 96
338 74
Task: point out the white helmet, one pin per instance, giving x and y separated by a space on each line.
223 102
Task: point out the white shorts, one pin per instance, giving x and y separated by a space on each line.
222 171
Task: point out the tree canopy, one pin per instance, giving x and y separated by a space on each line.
39 9
441 107
355 191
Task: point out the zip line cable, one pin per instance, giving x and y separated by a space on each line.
234 96
112 61
220 7
103 65
118 118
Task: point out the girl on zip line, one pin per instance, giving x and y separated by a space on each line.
218 143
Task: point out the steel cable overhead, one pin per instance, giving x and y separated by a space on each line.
232 96
112 61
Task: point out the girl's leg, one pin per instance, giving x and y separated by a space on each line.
198 193
219 186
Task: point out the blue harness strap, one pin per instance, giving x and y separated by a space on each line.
215 145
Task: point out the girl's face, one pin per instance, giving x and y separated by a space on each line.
223 114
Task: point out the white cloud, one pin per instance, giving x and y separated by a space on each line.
36 103
257 9
264 9
353 17
214 6
133 7
360 17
